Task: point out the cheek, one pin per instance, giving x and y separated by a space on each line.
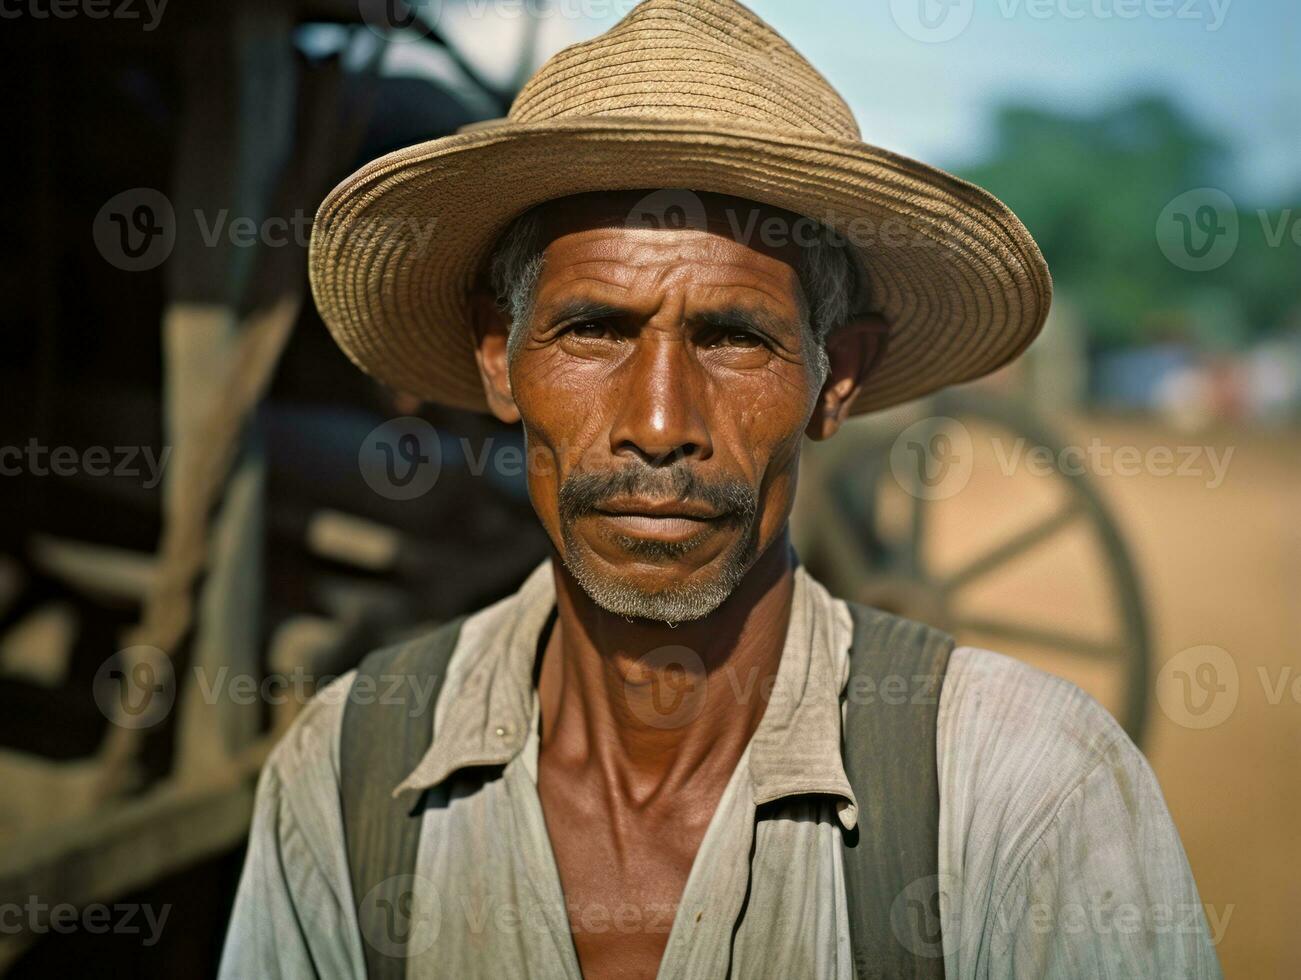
769 408
777 493
774 402
765 430
559 409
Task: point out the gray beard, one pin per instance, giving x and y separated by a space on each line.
677 604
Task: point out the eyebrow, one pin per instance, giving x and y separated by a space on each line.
584 309
744 318
727 318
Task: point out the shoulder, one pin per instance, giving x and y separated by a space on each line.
1053 822
303 767
305 761
295 858
311 744
1001 712
1037 780
1016 747
1015 743
298 806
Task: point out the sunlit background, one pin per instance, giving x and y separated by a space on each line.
1119 507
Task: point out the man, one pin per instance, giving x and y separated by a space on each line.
657 757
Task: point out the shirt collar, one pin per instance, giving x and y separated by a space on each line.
485 708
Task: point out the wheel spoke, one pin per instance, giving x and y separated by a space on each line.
915 545
916 540
1009 549
1038 637
842 546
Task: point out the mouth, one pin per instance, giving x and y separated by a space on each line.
669 520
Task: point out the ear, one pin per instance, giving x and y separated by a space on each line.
853 351
491 333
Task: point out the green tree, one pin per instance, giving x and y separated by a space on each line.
1091 188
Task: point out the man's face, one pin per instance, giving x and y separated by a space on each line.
664 381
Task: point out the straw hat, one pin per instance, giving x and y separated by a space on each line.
691 94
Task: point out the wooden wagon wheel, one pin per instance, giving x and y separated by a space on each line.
868 526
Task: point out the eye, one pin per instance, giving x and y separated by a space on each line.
743 338
589 330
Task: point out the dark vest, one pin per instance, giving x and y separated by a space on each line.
891 858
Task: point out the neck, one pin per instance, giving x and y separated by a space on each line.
659 709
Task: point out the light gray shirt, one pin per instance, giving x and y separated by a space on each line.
1057 855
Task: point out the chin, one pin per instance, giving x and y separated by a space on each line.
653 582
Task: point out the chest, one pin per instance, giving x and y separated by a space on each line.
764 897
622 872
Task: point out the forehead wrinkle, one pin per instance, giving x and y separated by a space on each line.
642 284
761 288
615 271
779 285
596 289
714 248
783 287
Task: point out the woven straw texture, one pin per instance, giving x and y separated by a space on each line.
692 94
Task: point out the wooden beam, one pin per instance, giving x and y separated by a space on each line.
127 848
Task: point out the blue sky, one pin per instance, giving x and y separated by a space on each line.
1235 65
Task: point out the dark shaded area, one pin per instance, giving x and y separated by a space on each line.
196 902
99 108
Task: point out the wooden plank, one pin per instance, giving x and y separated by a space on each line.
128 847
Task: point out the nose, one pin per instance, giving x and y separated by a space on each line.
661 416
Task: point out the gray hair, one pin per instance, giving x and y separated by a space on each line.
827 273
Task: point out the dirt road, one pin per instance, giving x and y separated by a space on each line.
1213 528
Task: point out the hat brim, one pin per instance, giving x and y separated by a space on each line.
397 246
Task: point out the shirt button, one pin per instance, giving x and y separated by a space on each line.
503 731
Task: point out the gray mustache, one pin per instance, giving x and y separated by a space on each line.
582 493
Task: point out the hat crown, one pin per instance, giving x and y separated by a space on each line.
711 59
